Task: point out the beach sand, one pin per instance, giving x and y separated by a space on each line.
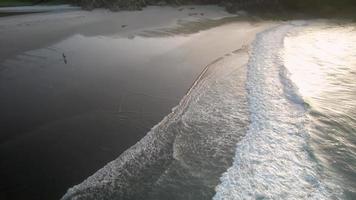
78 88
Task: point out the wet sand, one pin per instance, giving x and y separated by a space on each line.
78 88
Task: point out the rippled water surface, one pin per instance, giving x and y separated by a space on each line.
302 98
322 63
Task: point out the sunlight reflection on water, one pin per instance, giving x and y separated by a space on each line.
322 64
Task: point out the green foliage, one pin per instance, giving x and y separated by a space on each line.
318 4
15 2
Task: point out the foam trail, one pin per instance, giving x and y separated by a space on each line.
272 161
184 155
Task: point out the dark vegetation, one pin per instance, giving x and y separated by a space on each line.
322 8
287 8
4 3
15 2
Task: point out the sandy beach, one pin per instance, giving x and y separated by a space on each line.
78 88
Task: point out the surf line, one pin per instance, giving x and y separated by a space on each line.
200 76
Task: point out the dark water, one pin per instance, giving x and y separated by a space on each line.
61 120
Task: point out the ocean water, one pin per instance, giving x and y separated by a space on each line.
281 126
322 63
301 140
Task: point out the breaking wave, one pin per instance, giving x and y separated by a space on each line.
273 160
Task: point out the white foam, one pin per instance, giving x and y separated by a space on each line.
272 161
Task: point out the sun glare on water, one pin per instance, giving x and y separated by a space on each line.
319 60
